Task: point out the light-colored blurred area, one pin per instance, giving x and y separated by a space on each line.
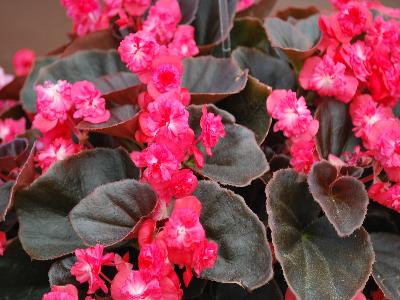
42 25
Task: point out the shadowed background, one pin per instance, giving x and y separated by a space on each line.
42 25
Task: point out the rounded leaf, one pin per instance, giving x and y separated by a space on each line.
188 10
243 252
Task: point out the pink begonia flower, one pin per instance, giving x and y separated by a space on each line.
328 78
10 128
162 20
88 103
87 268
22 61
160 163
136 7
184 44
164 116
204 256
356 57
183 183
137 51
86 15
67 292
113 7
244 4
303 155
124 268
136 288
365 112
53 104
212 129
3 241
5 78
59 149
292 115
386 194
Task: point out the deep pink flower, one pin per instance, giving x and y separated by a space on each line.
113 7
357 57
10 128
183 183
88 103
153 262
162 20
328 78
303 155
167 117
53 104
137 288
386 194
205 256
184 44
3 241
365 113
58 149
22 61
5 78
244 4
136 7
292 115
87 268
212 129
160 163
138 50
124 269
67 292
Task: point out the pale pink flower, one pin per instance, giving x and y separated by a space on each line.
160 163
3 241
87 268
89 104
137 288
58 149
22 61
184 44
67 292
138 50
136 7
328 78
10 129
5 78
212 129
53 104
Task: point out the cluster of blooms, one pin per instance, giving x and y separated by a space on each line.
182 242
10 128
59 106
296 122
23 61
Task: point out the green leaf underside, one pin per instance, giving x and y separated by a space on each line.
243 252
317 263
43 207
237 159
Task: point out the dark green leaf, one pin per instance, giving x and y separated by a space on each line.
317 263
210 79
386 269
112 211
20 278
343 199
60 271
28 94
269 70
122 123
297 38
237 159
260 9
335 133
243 252
13 154
249 108
207 23
43 208
188 10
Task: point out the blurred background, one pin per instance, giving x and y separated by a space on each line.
42 25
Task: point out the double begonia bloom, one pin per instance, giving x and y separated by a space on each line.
328 78
67 292
89 104
5 78
23 61
3 241
303 153
53 104
212 129
87 268
386 194
357 57
137 288
184 44
137 51
10 129
58 149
